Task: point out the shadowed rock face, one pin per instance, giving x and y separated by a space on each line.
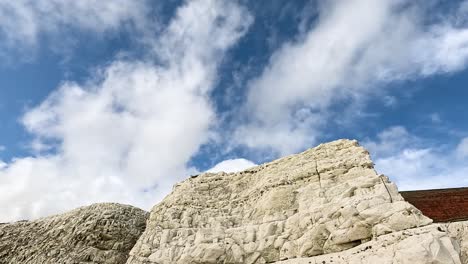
100 233
324 200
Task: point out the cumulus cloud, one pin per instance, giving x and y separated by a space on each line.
351 52
232 165
126 134
415 163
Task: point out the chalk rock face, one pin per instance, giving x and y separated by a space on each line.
429 244
327 199
100 233
459 231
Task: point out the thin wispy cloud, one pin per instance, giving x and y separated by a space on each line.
24 23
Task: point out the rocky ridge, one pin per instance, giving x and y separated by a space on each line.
325 205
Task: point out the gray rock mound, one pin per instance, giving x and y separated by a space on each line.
100 233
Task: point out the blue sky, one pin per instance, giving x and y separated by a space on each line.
118 100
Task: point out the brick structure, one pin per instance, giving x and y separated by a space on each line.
442 205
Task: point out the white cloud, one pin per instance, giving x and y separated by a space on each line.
127 134
282 138
24 22
232 165
435 118
391 140
351 52
462 148
414 163
390 101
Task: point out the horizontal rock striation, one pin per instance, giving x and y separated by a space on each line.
327 199
100 233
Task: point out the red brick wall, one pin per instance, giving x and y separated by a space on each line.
443 205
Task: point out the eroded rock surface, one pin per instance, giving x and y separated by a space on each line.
459 231
100 233
327 199
429 244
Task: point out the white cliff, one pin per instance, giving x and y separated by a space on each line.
324 201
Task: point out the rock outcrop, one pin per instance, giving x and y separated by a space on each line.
100 233
327 199
326 205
